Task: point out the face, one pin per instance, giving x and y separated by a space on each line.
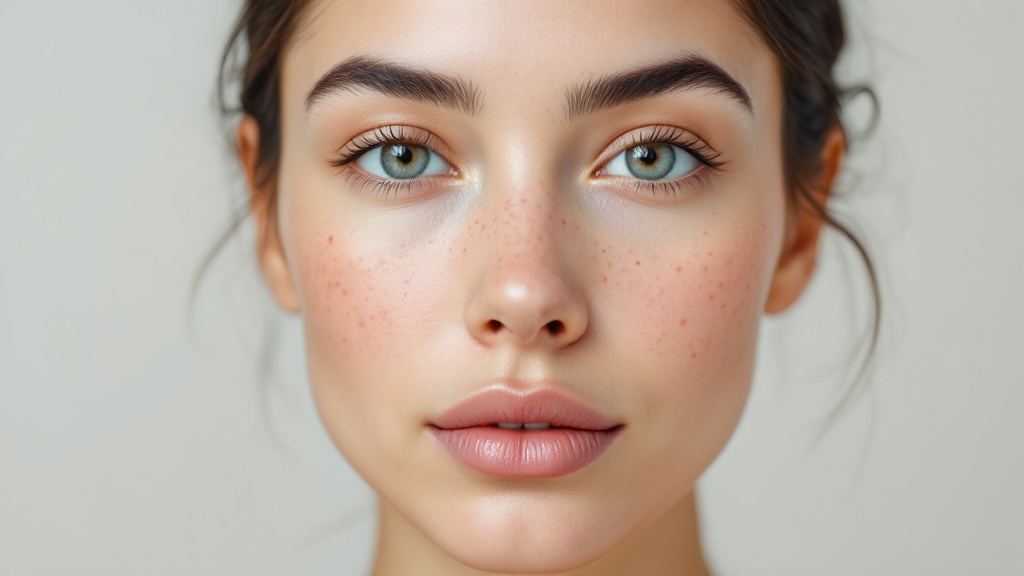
542 215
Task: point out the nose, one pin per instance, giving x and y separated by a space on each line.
526 295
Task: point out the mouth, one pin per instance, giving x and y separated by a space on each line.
535 434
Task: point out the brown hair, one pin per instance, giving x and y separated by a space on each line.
806 36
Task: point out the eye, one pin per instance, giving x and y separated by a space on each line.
400 161
653 161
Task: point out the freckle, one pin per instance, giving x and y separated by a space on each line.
705 232
563 222
604 251
721 284
605 279
362 324
344 292
637 262
693 355
330 239
705 268
522 200
711 253
711 297
682 322
679 268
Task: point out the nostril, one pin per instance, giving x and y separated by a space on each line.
494 326
555 327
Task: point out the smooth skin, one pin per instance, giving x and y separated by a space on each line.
418 293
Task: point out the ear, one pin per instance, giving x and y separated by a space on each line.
263 203
799 254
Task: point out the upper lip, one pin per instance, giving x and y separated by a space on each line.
540 405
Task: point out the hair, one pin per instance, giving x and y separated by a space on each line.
806 36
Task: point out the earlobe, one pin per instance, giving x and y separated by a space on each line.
799 254
263 201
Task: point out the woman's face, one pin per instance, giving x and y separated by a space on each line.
558 213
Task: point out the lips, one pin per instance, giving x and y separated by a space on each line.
542 433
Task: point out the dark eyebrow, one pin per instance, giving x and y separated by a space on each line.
399 81
681 74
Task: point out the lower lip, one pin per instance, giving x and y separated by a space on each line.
524 453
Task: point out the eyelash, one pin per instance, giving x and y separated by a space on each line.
351 152
688 142
705 155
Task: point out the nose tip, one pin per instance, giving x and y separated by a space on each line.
528 304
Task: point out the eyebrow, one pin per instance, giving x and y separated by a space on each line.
684 73
397 80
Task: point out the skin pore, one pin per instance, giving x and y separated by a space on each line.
524 257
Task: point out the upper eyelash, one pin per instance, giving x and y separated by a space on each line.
684 139
378 136
696 147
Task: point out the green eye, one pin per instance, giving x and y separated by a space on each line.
654 161
402 161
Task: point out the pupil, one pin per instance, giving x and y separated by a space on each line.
648 156
402 153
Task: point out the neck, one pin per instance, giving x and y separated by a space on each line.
668 546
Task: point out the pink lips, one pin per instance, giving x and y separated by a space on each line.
562 434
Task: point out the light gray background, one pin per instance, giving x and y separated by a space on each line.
132 443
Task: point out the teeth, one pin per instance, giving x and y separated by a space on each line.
521 425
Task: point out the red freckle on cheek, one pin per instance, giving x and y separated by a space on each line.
637 262
682 322
604 279
330 239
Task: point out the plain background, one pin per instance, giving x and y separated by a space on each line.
133 441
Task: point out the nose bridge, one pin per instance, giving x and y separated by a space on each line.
525 294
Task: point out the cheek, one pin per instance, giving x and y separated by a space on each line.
697 305
360 305
689 319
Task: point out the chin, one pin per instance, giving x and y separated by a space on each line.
523 534
533 556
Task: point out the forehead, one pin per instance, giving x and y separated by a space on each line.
513 50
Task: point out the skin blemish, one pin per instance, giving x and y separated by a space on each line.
330 239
